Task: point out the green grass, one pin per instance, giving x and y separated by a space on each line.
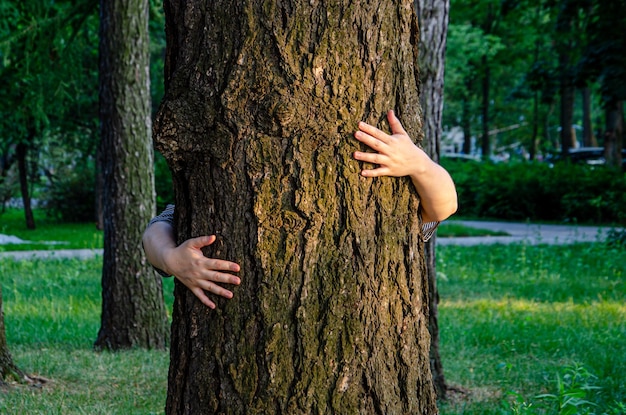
513 319
52 316
49 234
451 229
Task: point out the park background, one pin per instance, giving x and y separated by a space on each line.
526 82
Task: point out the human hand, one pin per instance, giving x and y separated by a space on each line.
395 155
199 273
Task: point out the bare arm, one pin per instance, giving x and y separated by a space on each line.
396 155
187 262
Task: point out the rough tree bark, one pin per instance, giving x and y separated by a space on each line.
260 106
133 311
433 23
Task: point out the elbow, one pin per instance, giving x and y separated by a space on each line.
443 210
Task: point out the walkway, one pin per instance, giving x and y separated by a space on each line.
530 233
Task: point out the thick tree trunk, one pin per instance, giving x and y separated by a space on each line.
23 174
133 312
260 106
433 24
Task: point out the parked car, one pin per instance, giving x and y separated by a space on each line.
593 156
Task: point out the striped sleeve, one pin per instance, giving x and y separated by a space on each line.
166 216
428 230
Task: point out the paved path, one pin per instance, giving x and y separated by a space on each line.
530 233
56 254
518 232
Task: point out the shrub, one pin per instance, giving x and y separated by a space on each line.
71 197
538 191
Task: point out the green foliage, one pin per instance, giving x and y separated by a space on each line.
163 182
71 198
539 191
575 394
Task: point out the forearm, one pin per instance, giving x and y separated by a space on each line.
157 239
438 197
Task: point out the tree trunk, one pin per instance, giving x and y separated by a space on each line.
613 136
466 124
486 80
534 136
589 140
133 312
8 369
433 24
257 127
23 174
99 198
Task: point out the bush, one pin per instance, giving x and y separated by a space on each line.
537 191
71 198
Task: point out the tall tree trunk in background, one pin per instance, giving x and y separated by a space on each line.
22 165
589 140
566 82
257 123
466 124
567 107
133 311
614 133
99 202
485 143
534 136
433 24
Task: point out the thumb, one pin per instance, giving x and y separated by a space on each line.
200 241
395 124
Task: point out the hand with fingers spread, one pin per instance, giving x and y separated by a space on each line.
397 155
187 262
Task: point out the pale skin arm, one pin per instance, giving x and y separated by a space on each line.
187 262
396 155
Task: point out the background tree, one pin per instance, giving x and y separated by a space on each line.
433 25
260 106
133 312
42 44
603 60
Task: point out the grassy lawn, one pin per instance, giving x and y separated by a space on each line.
49 234
513 319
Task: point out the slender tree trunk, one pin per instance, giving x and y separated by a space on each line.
589 140
534 137
433 23
99 202
257 126
466 124
613 136
133 312
486 81
23 174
